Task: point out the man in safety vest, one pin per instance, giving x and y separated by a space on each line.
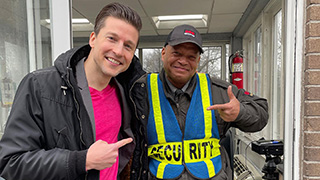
181 115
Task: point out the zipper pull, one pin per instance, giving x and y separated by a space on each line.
64 88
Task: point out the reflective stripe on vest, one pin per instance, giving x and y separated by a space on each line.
194 151
168 148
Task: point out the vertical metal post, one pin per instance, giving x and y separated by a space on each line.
60 23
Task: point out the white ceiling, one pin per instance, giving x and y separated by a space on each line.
223 15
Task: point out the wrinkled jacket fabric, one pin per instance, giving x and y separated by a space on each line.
253 117
49 130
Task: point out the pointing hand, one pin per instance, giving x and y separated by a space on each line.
228 111
102 155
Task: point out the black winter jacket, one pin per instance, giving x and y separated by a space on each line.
49 130
253 117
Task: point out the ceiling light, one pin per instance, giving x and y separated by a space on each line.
75 21
180 17
169 22
80 21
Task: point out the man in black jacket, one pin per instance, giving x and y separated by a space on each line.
181 115
71 121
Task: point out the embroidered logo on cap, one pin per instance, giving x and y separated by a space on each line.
189 33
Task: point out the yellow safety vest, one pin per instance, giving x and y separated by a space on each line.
169 150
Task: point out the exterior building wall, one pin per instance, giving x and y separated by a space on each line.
311 126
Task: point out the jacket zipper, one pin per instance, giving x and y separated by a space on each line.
142 155
78 111
135 107
142 145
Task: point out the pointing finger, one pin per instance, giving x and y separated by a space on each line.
217 107
223 106
123 142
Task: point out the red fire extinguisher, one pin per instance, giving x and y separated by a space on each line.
236 69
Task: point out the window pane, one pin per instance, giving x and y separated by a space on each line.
152 60
25 45
210 61
278 82
248 66
13 52
227 62
257 62
137 53
45 58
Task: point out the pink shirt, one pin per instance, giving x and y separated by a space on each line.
107 115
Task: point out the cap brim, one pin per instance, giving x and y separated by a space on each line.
176 42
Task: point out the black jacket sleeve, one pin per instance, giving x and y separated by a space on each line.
24 153
253 115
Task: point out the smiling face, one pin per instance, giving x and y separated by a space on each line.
112 49
180 62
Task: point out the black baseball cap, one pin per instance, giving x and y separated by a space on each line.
182 34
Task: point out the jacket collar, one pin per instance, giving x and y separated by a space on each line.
67 61
70 59
188 88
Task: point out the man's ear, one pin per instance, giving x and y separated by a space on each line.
198 59
163 52
92 39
